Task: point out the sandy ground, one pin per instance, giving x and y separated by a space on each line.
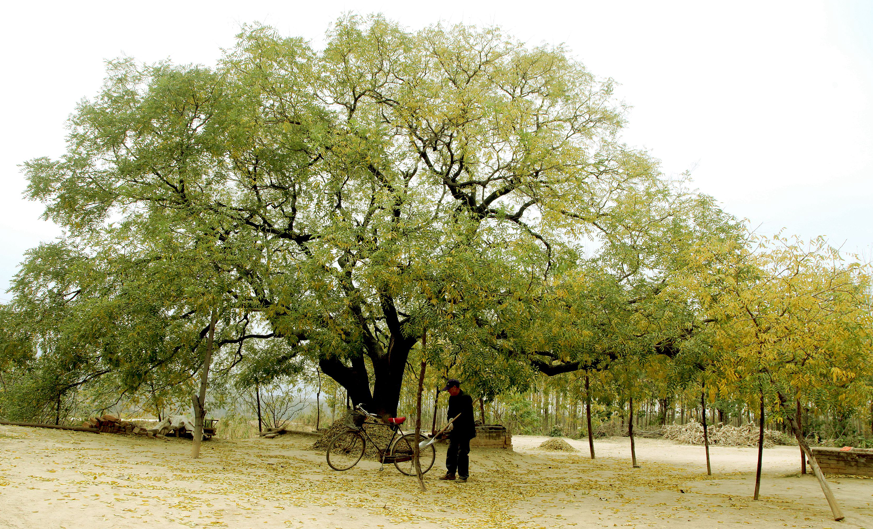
58 479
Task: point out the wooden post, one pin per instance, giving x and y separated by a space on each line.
588 414
832 501
200 399
760 447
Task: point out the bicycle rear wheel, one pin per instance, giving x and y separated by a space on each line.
345 450
402 453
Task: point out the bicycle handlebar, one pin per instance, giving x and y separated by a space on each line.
360 407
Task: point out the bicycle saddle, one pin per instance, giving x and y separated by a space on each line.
397 420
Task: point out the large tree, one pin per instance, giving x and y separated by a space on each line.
393 180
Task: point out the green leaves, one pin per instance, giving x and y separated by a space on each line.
341 201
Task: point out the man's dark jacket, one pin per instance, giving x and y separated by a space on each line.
464 426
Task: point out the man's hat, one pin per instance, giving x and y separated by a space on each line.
451 383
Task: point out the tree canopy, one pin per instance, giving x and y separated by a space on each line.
334 204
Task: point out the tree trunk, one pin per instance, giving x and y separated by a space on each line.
588 414
200 400
545 409
832 501
630 431
353 379
800 427
258 400
760 447
436 399
333 402
705 432
574 416
558 418
416 451
318 401
388 377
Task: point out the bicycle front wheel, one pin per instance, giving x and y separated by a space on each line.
402 453
345 450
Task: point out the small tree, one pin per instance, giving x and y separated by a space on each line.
280 402
797 317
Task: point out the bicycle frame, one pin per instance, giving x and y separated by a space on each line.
395 429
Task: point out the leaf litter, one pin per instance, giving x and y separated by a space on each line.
275 481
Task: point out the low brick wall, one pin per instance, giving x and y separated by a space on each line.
491 436
854 462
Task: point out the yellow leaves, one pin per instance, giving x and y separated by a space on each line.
841 376
791 311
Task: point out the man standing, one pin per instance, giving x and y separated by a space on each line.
463 429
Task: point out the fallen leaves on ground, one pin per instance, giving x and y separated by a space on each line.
235 482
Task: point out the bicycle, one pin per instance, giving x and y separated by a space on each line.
348 447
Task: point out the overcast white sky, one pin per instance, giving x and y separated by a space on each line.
768 104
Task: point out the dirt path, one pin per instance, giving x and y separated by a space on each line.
56 479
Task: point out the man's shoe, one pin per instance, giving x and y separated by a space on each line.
448 476
462 479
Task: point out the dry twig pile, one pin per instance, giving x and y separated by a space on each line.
722 435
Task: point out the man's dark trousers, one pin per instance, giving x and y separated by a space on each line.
458 457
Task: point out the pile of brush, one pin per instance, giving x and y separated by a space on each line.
722 435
